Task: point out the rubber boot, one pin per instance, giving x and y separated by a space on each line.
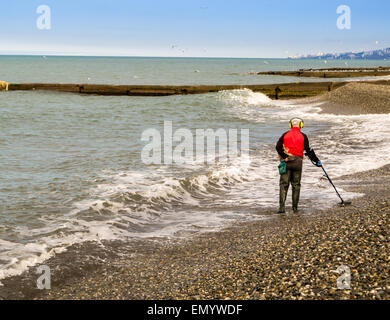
296 189
295 199
284 184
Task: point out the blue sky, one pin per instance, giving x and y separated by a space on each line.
192 28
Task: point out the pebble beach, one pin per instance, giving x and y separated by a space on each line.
290 257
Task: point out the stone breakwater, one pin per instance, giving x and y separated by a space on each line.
274 91
329 73
287 90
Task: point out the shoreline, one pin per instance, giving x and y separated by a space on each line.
285 257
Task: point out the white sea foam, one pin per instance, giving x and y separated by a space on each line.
245 97
144 201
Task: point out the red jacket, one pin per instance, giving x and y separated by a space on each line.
293 142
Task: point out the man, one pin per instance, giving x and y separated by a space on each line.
290 148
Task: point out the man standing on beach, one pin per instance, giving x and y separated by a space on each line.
290 148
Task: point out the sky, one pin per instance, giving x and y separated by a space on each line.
192 28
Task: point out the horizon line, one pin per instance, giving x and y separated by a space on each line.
317 58
133 56
295 57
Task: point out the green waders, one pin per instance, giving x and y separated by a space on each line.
293 177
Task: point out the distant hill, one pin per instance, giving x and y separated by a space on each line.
382 54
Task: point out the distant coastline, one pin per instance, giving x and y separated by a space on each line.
380 54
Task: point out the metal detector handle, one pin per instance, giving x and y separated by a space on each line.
331 182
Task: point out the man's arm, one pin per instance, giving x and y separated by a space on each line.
279 147
310 152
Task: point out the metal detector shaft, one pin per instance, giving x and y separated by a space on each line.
330 180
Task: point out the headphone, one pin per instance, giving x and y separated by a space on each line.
301 123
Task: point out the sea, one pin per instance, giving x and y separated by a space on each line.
71 166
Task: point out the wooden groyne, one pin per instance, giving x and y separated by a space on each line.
329 72
286 90
282 91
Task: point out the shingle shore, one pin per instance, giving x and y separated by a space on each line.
357 98
290 257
